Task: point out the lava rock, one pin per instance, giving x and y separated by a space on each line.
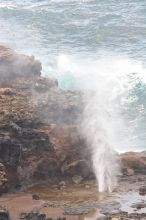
77 179
39 216
14 65
45 84
79 167
62 185
35 197
133 163
3 179
46 168
4 214
142 190
139 205
35 216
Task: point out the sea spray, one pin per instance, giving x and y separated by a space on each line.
98 132
109 85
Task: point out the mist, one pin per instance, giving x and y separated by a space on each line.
107 85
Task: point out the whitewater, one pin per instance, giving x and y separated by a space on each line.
90 45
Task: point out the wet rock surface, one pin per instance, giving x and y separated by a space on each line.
34 144
142 190
39 134
4 213
40 143
80 204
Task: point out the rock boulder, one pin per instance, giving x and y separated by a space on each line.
14 65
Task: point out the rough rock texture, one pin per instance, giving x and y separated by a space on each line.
133 163
4 214
38 123
14 65
77 167
3 179
39 216
39 133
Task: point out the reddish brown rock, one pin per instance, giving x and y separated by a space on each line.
133 162
77 168
45 84
47 168
40 138
14 65
142 190
77 179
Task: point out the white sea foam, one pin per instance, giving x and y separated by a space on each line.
108 84
8 5
114 117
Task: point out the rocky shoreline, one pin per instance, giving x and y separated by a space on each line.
39 136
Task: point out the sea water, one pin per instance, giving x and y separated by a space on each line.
92 45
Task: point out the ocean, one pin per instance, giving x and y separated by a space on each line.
91 45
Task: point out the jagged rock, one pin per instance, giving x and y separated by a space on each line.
134 161
14 65
4 214
80 167
6 91
62 185
35 216
39 134
39 216
77 179
10 152
45 84
129 172
46 168
142 190
140 205
35 197
3 179
30 147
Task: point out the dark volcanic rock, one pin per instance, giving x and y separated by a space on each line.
77 179
10 152
47 168
39 134
39 216
35 216
139 205
79 167
142 190
3 179
35 197
4 214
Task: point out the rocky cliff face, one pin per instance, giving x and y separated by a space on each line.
133 163
17 65
39 136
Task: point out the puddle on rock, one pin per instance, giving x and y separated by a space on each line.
24 203
132 202
77 202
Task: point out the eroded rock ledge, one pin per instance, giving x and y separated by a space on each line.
39 136
16 65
